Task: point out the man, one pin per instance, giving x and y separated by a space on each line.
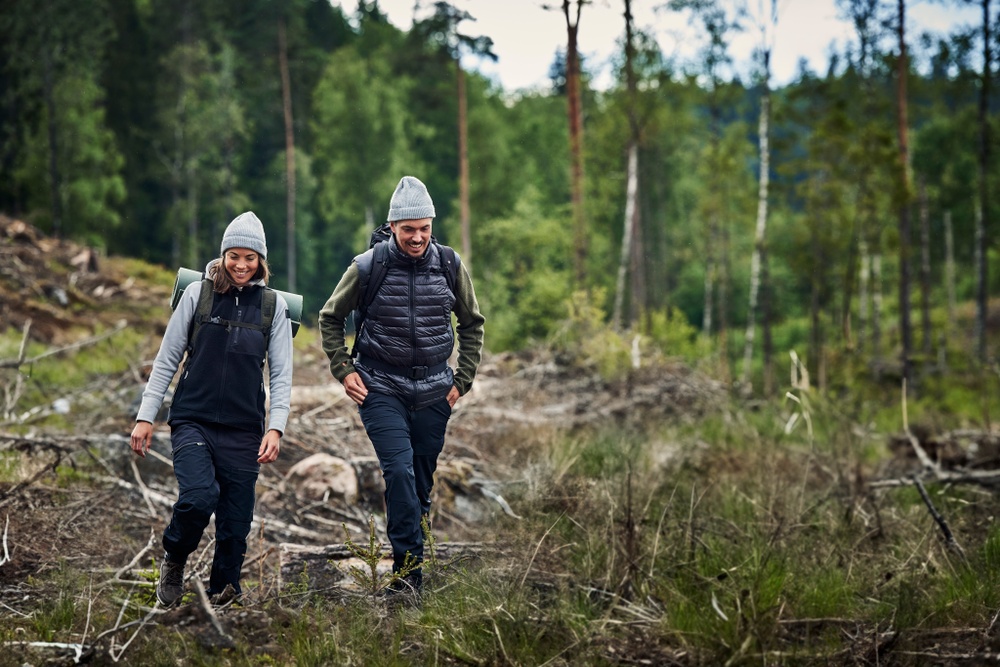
399 374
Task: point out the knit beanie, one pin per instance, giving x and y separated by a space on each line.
410 201
245 231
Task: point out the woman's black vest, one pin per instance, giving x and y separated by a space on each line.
408 337
223 379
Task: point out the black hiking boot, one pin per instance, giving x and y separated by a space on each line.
404 591
170 586
227 597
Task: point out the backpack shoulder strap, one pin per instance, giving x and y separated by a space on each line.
268 304
449 262
203 312
373 265
374 274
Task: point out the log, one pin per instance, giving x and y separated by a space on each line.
320 568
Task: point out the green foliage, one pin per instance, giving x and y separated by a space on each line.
522 290
87 159
584 339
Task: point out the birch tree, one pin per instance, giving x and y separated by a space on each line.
632 173
767 21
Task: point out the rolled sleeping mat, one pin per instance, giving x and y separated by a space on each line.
187 276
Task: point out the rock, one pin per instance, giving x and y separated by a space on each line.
322 476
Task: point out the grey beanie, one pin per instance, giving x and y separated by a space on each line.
245 231
410 201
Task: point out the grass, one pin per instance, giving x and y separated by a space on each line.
735 537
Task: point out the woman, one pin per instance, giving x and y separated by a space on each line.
217 414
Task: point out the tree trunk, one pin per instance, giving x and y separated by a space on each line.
925 275
629 230
575 113
631 188
759 245
864 278
982 239
192 206
286 99
712 245
722 282
55 180
706 315
877 308
949 266
463 165
905 329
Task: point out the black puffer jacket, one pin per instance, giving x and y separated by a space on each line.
409 325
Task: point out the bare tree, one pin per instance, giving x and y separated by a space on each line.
632 178
903 199
925 274
442 28
575 115
982 239
766 25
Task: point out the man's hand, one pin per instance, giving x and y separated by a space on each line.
453 396
355 388
142 438
270 445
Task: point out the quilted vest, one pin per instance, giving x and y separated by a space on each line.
409 325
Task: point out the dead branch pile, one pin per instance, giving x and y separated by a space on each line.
63 287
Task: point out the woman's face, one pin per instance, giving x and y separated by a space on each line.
241 265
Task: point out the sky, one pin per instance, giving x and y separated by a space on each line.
526 36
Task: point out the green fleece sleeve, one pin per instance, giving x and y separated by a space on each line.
333 321
470 331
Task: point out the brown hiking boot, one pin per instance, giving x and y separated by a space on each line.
170 586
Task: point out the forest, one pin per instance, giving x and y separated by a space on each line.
846 215
738 399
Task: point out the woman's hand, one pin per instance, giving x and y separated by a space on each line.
270 445
142 438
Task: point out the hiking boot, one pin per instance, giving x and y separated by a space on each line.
405 590
227 597
170 586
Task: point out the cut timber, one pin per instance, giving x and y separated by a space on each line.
327 567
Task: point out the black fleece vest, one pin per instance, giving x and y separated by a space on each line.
223 378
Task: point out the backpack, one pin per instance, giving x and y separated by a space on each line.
203 314
373 266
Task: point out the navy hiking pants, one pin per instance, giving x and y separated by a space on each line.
407 443
216 470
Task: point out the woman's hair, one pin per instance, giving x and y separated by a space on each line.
222 283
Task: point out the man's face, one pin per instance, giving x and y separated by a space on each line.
412 236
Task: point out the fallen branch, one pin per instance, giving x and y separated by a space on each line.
21 361
990 478
149 545
949 538
6 553
921 454
206 605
